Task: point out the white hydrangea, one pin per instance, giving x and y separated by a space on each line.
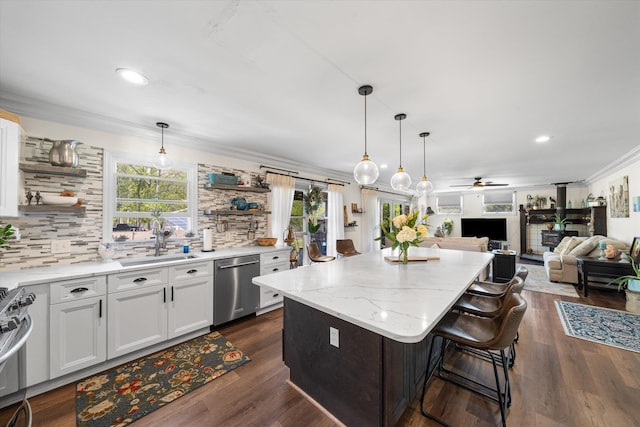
407 234
399 221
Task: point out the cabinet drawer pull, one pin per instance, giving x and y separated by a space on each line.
140 280
276 295
100 309
164 295
276 257
192 271
275 269
172 293
76 290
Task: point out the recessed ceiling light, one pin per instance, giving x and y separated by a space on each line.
543 138
132 76
384 166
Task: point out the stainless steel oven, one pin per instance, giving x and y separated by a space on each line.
15 328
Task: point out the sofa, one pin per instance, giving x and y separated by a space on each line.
472 244
561 265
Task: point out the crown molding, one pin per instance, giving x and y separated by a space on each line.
613 167
42 110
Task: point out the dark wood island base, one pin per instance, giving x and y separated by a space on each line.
368 380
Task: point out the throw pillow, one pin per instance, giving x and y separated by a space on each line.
575 241
587 246
562 245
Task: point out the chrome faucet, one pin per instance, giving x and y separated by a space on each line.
156 230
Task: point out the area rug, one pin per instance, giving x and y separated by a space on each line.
537 282
602 325
122 395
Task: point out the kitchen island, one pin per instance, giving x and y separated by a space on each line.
355 329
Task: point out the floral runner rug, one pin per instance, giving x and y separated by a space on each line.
602 325
128 392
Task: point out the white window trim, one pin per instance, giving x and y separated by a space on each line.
501 213
461 198
109 188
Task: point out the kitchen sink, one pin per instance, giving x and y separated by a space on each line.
154 260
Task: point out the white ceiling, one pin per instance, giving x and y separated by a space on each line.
278 80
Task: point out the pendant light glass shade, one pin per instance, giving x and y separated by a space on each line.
400 180
365 172
425 186
162 160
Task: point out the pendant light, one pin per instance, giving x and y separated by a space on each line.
424 187
400 180
365 172
161 160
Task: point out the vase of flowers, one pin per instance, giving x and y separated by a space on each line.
405 231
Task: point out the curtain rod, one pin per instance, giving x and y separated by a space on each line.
297 176
364 187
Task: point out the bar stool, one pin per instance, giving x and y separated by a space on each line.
315 255
345 247
490 335
497 289
489 306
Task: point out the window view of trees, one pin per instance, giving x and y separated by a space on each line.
141 192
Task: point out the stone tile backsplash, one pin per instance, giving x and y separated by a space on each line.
85 232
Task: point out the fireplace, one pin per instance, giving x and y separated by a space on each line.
552 238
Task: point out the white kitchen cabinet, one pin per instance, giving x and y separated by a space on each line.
9 377
37 346
78 324
272 262
191 298
136 319
147 307
10 134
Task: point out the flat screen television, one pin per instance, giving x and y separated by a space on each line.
493 228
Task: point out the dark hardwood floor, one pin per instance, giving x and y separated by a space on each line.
557 381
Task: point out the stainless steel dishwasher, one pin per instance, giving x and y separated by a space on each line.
234 295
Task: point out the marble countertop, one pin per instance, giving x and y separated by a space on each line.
34 276
401 302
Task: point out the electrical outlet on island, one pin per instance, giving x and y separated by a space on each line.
334 337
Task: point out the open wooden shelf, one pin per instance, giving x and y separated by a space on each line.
236 212
52 170
236 188
52 209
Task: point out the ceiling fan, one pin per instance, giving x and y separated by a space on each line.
478 184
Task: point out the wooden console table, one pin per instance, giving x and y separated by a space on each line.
590 266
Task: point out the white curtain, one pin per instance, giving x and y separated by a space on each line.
280 201
335 217
370 220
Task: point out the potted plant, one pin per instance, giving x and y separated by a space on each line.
313 204
447 226
539 202
631 285
5 232
558 222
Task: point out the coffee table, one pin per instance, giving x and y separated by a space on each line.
607 268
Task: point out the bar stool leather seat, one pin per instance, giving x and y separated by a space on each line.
346 248
315 255
490 335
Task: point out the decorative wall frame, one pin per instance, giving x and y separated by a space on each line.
619 197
